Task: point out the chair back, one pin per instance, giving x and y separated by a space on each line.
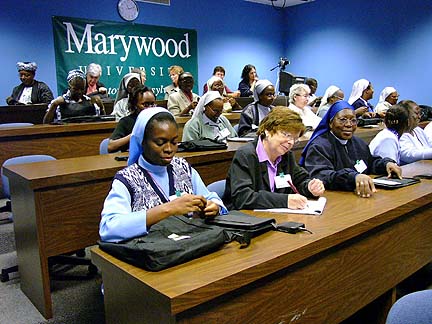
103 147
218 187
21 160
11 125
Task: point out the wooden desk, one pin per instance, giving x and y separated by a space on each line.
64 141
356 255
57 206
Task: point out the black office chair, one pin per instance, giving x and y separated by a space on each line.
61 259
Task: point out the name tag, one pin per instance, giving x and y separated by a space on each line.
254 127
360 166
282 181
224 133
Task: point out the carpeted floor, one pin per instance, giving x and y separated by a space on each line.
76 299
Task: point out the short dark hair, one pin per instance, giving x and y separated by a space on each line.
218 69
133 98
397 117
158 118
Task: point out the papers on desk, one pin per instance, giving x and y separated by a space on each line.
314 207
240 139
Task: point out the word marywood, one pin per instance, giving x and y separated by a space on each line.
100 44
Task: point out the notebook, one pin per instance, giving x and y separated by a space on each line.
392 183
314 207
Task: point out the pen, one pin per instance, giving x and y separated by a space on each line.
295 190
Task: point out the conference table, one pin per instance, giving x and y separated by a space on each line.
57 206
359 250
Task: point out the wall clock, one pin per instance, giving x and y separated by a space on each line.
128 9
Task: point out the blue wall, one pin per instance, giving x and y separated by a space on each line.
387 42
336 41
230 33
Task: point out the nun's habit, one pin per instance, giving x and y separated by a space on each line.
200 126
120 220
384 105
253 113
355 98
333 160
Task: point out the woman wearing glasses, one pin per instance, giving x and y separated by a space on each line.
140 99
252 114
298 98
207 120
264 173
340 159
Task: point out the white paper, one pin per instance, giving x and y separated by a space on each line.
386 182
314 207
240 139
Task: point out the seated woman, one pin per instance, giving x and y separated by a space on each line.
264 173
340 159
298 98
74 102
156 184
207 120
93 86
140 99
216 83
331 95
248 79
388 98
174 73
386 142
130 81
29 91
415 144
361 92
122 89
252 114
184 101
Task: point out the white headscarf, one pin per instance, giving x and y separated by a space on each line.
137 136
385 93
357 90
212 80
122 90
208 97
260 85
328 93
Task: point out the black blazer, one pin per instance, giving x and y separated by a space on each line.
248 185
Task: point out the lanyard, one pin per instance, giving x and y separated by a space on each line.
156 187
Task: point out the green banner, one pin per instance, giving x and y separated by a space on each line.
120 47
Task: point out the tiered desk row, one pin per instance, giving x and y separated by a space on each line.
57 205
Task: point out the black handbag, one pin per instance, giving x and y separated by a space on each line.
237 221
204 144
173 240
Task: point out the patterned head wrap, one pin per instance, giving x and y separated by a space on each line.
27 66
73 74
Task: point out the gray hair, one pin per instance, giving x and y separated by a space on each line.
94 70
298 89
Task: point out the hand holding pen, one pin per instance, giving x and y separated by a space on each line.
296 201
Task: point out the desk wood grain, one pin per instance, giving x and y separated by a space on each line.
355 255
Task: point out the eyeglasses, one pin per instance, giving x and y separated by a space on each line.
289 137
345 121
304 96
337 97
216 112
149 104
